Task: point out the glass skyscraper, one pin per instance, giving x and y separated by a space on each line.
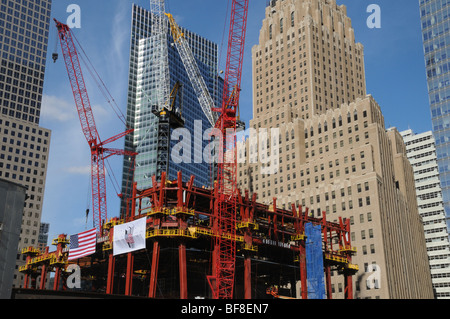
141 95
435 19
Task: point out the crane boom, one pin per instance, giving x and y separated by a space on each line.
78 85
160 53
196 78
86 116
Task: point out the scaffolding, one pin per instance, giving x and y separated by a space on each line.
271 248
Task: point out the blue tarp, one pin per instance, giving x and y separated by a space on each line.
314 262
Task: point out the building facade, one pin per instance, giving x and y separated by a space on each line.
24 29
12 199
334 154
421 152
436 31
146 140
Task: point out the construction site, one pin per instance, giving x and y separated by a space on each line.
213 242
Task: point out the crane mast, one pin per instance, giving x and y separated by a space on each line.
222 279
225 119
98 152
160 53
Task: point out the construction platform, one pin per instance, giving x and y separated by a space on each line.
271 249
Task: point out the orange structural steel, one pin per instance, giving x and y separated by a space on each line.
180 234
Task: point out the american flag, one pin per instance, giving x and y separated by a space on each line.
82 244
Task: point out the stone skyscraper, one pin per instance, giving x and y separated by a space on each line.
24 29
334 154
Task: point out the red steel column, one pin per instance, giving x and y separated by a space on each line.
183 272
57 279
154 271
44 272
328 281
33 281
129 279
26 281
43 277
303 280
348 286
247 278
110 280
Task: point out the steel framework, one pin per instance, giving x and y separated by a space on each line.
180 218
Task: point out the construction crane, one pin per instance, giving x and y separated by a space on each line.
226 120
222 279
160 57
196 78
98 151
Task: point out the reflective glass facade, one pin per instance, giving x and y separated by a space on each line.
435 19
141 93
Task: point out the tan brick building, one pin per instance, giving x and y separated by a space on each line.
334 153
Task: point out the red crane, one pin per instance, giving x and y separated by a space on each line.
224 260
98 152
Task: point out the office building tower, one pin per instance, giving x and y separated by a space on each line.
24 29
421 151
334 154
12 199
150 140
436 29
43 236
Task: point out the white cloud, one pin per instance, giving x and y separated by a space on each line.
118 32
79 170
57 109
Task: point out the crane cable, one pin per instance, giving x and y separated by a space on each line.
101 85
110 100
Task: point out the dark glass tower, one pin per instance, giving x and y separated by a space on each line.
147 139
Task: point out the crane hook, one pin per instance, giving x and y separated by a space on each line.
55 57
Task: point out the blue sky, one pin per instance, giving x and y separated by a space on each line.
395 76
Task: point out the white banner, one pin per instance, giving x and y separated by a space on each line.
129 237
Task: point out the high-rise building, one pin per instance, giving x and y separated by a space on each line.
148 139
43 236
334 154
436 29
12 199
421 152
24 28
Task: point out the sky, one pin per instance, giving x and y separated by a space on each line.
395 77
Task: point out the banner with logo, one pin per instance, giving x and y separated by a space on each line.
129 237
